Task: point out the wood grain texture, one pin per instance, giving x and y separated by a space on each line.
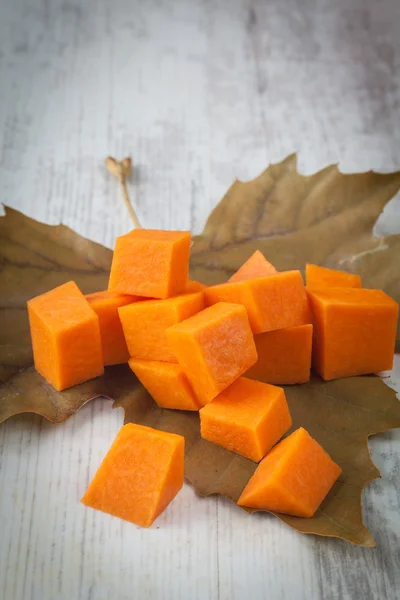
198 93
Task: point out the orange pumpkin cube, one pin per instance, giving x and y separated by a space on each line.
321 277
272 302
293 479
255 266
166 383
284 356
145 323
151 263
105 305
139 476
194 286
354 331
248 418
214 348
65 336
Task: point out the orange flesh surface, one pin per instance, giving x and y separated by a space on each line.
65 337
166 383
145 324
248 418
354 331
284 356
150 263
139 476
194 286
256 266
105 304
321 277
214 348
272 302
293 479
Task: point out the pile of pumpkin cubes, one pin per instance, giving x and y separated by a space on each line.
221 350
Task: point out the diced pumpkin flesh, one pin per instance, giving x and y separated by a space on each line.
293 479
214 348
151 263
145 324
105 304
194 286
321 277
65 336
354 331
166 383
255 266
248 418
139 476
272 302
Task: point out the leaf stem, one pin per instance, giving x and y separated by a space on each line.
129 205
122 170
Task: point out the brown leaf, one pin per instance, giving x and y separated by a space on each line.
327 219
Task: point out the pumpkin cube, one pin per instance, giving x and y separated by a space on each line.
139 476
248 418
354 331
105 305
65 336
145 323
255 266
293 479
214 348
151 263
272 302
321 277
166 383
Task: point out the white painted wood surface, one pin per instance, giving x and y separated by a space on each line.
198 92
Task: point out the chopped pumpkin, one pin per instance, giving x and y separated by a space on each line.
139 476
354 331
166 383
321 277
293 479
272 302
151 263
248 418
145 323
214 348
105 305
65 336
255 266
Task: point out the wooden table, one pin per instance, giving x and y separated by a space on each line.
198 92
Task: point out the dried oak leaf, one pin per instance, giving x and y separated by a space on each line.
326 218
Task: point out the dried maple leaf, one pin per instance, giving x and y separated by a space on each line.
327 219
